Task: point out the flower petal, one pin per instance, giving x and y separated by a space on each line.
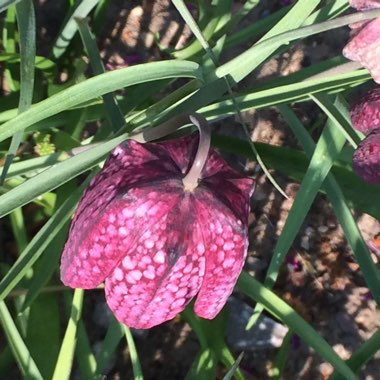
364 4
161 274
364 47
91 255
366 158
365 113
225 240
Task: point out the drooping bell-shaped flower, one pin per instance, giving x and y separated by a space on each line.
365 113
156 238
366 158
364 45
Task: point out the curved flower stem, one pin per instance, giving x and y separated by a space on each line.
191 179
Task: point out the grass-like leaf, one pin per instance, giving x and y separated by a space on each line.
342 211
27 29
328 147
97 86
66 354
113 336
20 350
112 109
71 27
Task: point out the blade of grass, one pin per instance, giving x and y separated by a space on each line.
340 118
71 27
9 43
239 67
45 267
85 358
341 209
232 371
360 357
66 354
188 18
97 86
27 30
281 357
133 353
20 351
114 335
43 336
112 109
293 92
327 149
55 176
278 308
7 3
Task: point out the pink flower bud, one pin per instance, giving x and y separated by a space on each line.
366 158
154 243
365 114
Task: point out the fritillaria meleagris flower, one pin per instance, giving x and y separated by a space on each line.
366 158
155 243
364 45
365 117
365 113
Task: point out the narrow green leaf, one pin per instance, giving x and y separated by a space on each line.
66 354
20 351
239 67
112 109
340 118
27 30
97 86
232 371
45 266
114 335
71 27
43 333
359 247
281 357
361 356
55 176
7 3
329 146
84 356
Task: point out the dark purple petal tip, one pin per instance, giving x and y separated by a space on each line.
366 159
365 113
154 243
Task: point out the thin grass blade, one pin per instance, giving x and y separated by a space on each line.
27 30
66 354
22 355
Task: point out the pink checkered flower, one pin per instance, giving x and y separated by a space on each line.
366 158
365 113
154 242
364 45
